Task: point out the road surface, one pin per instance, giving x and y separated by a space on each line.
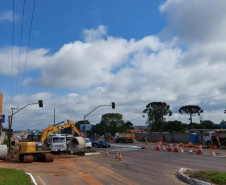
138 166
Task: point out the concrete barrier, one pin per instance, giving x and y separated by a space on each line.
3 152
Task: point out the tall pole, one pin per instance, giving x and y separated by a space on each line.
112 105
85 126
54 116
10 120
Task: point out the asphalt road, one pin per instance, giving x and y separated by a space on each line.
138 166
148 166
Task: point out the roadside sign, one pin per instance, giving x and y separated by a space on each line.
88 127
2 119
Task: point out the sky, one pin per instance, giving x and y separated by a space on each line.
78 55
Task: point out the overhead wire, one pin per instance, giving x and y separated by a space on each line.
21 38
28 45
12 56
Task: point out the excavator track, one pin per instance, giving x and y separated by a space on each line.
48 157
27 158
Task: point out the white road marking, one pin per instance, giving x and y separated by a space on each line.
43 183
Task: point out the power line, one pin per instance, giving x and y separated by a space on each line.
12 56
21 37
28 44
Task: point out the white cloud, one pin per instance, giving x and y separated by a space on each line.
8 16
133 73
196 21
93 35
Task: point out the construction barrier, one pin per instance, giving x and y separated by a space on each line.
164 146
199 150
157 146
213 150
170 149
176 149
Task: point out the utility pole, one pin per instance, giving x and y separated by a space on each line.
54 116
10 126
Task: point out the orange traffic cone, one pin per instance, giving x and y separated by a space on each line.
170 149
176 149
199 149
120 157
116 155
157 146
106 154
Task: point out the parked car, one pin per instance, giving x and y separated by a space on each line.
94 142
102 144
88 143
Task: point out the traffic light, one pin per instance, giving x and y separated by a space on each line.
113 105
40 103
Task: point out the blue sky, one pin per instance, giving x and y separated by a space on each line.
56 23
84 54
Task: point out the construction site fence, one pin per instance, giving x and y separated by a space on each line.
168 137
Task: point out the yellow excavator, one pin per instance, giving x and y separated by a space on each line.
37 151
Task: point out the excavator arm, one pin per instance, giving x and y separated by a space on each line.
54 128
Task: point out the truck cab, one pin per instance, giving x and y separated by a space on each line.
210 138
57 142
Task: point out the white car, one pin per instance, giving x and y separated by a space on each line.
88 143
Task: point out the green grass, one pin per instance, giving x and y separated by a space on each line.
10 176
216 177
89 150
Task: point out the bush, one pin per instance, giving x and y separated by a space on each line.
219 178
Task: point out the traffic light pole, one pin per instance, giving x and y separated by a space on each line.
112 105
10 119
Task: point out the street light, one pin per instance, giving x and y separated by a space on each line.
112 106
10 119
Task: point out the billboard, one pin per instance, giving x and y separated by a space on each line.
88 127
2 120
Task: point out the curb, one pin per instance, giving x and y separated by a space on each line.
95 153
32 178
189 180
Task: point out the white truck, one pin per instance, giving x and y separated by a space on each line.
57 142
124 137
217 138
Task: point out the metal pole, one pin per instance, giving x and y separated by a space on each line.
89 114
85 126
9 119
54 116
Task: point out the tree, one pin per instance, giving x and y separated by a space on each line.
223 122
207 124
156 112
174 126
129 125
190 109
113 123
